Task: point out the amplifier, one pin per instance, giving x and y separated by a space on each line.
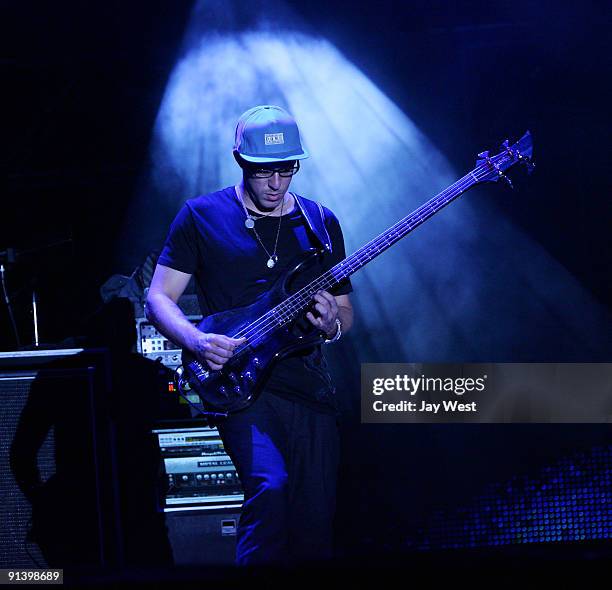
199 475
155 346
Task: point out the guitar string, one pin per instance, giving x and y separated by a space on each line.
283 313
364 254
294 303
391 236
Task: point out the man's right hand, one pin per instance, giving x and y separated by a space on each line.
215 349
163 312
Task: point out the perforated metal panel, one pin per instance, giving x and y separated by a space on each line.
57 499
15 509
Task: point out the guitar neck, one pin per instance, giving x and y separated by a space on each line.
298 302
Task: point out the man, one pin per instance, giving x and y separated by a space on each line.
237 242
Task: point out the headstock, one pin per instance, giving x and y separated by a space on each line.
492 168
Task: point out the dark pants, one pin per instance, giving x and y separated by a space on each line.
286 456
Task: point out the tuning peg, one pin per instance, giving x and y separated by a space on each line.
505 143
506 180
484 155
528 164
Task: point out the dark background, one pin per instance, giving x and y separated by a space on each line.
82 86
83 82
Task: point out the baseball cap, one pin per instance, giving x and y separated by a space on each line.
268 133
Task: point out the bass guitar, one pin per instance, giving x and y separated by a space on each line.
274 324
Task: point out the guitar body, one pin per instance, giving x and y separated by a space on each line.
243 377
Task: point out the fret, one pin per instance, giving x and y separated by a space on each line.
296 304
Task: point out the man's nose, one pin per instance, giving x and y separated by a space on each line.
274 181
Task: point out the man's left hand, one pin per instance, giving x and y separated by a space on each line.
327 308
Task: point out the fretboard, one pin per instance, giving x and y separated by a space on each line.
297 303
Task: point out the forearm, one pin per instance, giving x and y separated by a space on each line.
168 318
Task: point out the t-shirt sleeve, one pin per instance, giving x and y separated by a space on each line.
180 250
338 251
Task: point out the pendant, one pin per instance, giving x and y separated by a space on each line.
249 223
272 261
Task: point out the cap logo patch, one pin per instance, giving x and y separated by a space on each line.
273 138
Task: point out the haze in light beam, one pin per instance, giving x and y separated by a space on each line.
466 286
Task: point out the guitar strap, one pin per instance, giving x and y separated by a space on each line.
314 214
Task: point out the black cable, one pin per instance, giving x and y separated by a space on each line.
208 415
8 306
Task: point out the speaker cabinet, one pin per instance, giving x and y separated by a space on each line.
202 537
56 470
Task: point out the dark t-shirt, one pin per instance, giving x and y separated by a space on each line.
208 239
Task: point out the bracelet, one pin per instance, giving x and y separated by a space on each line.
337 335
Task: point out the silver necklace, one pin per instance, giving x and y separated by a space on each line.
250 220
250 224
